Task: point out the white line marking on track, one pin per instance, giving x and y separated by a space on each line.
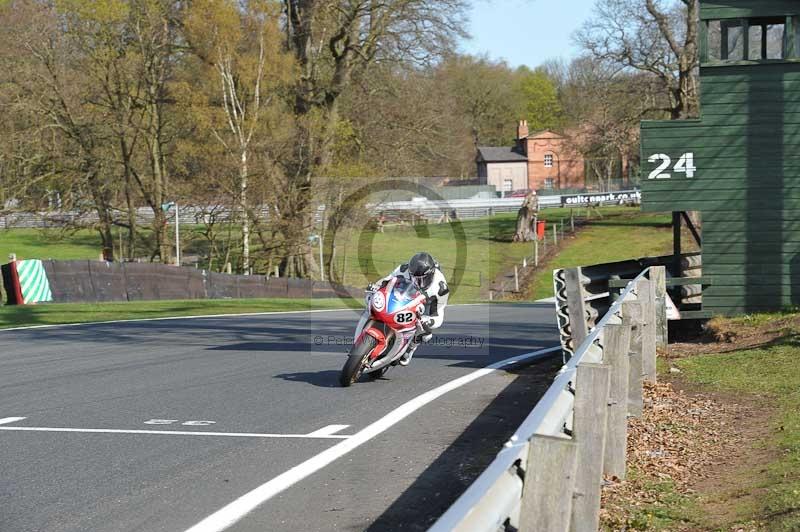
10 420
236 510
327 431
172 432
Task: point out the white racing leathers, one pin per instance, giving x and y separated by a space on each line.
438 292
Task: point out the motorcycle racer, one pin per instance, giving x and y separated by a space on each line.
427 276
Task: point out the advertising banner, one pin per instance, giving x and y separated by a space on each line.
604 198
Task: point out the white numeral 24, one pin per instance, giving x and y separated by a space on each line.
685 165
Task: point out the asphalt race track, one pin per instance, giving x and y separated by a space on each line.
157 425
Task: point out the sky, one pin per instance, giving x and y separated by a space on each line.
525 32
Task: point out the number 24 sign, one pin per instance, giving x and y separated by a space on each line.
685 165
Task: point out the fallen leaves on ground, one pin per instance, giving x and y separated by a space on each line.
677 442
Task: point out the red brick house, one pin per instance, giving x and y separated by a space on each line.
540 161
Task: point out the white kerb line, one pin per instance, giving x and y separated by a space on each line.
236 510
327 431
313 435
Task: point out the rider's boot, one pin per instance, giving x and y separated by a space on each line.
418 339
405 360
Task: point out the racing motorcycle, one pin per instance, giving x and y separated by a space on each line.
395 309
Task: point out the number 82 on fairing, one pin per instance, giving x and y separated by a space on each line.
404 317
685 165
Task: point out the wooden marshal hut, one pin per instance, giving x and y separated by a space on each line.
739 164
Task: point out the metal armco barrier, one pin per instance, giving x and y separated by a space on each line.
74 281
548 475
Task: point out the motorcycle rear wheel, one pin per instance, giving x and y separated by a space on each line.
356 361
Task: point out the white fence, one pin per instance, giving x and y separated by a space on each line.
548 475
464 209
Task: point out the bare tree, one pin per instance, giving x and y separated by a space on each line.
659 37
606 105
407 121
244 47
333 42
154 37
50 83
114 71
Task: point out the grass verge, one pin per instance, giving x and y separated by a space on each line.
771 370
665 507
611 239
469 264
49 244
65 313
731 434
487 249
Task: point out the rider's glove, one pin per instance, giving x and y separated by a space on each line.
370 287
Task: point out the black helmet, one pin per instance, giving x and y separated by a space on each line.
421 267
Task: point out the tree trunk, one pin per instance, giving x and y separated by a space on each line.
159 186
298 256
130 205
102 206
526 232
245 217
131 208
688 62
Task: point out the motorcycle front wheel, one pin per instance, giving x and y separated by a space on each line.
356 360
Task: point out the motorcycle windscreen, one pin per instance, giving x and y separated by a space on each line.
403 293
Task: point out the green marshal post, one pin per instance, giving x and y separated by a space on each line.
739 164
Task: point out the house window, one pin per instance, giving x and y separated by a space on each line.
548 160
508 185
549 183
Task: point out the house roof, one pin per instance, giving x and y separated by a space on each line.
500 154
544 133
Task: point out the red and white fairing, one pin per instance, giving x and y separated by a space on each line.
396 306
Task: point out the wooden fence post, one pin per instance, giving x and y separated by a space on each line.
658 276
589 425
632 316
549 484
616 349
647 295
576 306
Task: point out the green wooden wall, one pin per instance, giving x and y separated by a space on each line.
719 9
746 150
